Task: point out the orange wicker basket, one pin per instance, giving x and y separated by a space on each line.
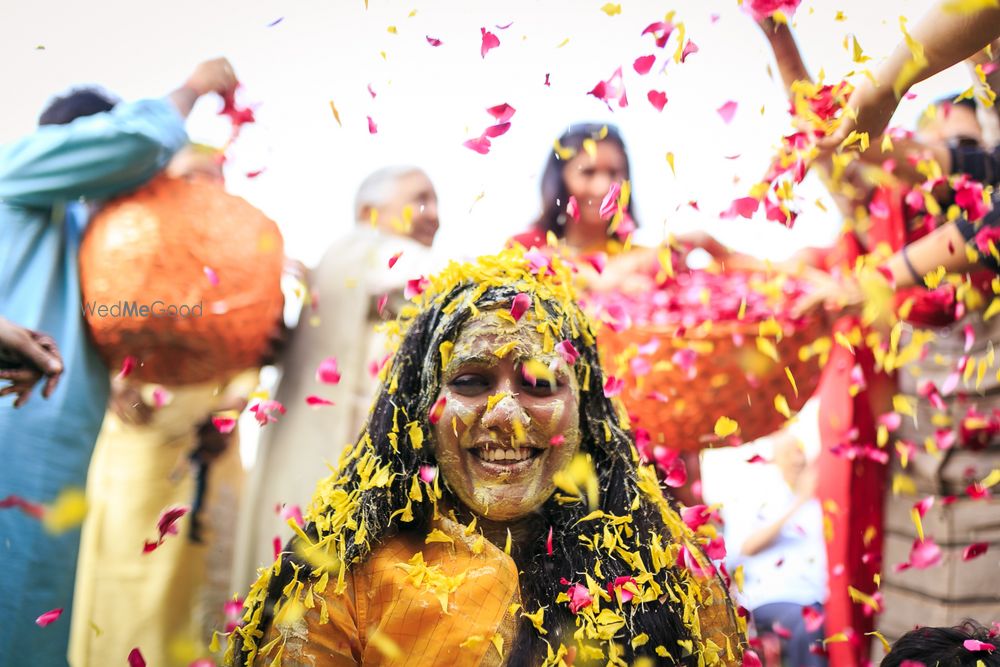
206 265
722 371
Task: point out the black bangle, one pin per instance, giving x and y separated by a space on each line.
917 278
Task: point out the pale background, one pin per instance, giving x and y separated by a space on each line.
429 100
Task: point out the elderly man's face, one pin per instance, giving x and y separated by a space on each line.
412 210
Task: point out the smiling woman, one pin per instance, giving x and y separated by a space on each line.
492 511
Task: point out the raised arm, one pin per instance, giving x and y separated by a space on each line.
786 53
105 154
945 38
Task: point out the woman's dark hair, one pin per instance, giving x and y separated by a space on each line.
411 387
555 194
944 647
75 104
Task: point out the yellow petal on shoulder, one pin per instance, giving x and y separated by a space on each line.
437 535
497 642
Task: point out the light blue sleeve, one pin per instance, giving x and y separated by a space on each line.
93 157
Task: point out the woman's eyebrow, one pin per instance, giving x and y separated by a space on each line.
484 359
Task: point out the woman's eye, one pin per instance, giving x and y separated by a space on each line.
538 387
469 384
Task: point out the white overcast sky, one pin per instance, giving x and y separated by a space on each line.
429 100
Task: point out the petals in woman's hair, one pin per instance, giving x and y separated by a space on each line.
727 111
48 617
643 64
579 597
327 371
135 658
520 305
558 440
415 287
976 645
437 410
490 41
657 98
433 41
427 474
548 542
568 352
317 400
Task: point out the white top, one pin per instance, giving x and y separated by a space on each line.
793 567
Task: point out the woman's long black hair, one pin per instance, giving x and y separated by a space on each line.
379 478
555 194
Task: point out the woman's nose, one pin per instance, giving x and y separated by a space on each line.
502 412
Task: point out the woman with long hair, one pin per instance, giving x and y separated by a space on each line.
493 510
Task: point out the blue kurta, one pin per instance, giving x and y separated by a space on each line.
45 446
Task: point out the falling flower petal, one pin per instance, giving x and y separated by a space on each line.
370 91
415 287
925 553
751 659
657 98
643 64
502 112
573 208
317 400
490 41
48 617
480 144
327 371
548 542
812 619
293 512
613 386
213 279
610 204
382 300
689 48
974 550
744 207
497 130
547 83
35 510
394 259
372 127
612 9
727 111
128 365
135 658
265 412
166 524
224 424
433 41
725 427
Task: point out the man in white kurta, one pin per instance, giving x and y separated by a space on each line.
396 212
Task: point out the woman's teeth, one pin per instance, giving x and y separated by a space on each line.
519 454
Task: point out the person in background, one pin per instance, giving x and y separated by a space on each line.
966 645
359 281
159 449
775 532
87 148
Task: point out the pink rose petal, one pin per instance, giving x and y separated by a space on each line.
327 371
427 474
394 259
689 48
976 645
502 112
727 111
433 41
480 144
975 550
657 98
224 424
568 352
643 64
317 400
490 41
135 658
48 617
520 305
372 127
